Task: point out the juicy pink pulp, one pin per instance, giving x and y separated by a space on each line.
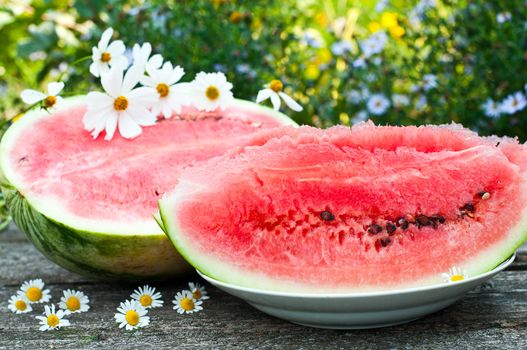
122 180
306 205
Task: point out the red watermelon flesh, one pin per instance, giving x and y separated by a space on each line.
368 208
102 186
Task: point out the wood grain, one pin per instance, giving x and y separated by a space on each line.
492 316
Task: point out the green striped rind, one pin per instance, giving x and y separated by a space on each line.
96 254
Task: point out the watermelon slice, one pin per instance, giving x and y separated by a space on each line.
345 210
88 204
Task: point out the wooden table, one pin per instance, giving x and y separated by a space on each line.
493 316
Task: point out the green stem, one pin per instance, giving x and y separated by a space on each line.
80 60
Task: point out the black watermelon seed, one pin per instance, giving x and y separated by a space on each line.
468 207
327 216
386 241
423 220
402 223
373 229
390 228
438 218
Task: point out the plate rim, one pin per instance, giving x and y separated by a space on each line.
502 266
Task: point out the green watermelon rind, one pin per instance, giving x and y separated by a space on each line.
93 252
227 273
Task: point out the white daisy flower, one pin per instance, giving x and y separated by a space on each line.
373 44
106 54
170 96
354 96
49 100
132 315
19 304
491 108
429 82
210 91
359 62
400 100
377 104
147 297
513 103
51 319
454 275
312 37
198 291
274 91
503 17
184 303
141 57
35 292
359 117
380 5
74 301
341 47
121 105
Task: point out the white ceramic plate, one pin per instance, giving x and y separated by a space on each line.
357 310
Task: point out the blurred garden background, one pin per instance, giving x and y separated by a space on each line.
395 62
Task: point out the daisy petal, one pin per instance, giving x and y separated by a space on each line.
55 88
116 48
290 102
275 101
105 39
264 95
128 128
131 78
112 82
32 96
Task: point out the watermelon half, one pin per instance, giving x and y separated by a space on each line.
88 204
346 210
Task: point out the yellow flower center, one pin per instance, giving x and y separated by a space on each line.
457 278
106 57
34 294
73 303
276 85
20 305
132 317
236 17
53 320
186 304
196 294
212 93
120 103
50 101
145 300
162 89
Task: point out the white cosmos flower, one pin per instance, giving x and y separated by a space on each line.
373 44
50 100
359 62
170 96
429 82
131 315
400 100
52 319
106 54
147 297
35 292
377 104
274 91
19 304
513 103
74 301
454 275
184 303
503 17
491 108
141 57
210 91
121 105
198 291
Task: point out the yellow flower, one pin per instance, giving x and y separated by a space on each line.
312 72
236 17
321 19
374 27
396 32
323 56
389 20
344 118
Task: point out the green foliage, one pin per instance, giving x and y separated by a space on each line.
314 47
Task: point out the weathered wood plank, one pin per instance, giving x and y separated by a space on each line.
492 316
